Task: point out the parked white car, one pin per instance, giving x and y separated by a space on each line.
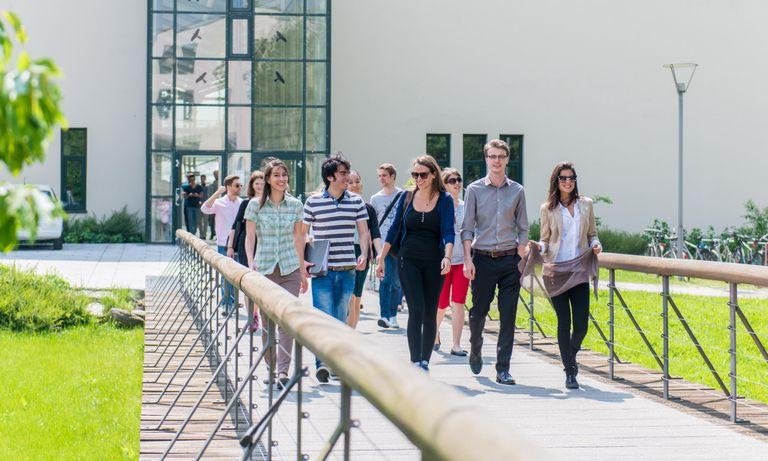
48 230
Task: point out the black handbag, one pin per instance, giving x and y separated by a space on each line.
395 246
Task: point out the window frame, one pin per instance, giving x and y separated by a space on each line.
83 160
518 163
468 178
447 137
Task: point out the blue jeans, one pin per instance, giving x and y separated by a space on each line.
390 292
227 290
331 294
190 218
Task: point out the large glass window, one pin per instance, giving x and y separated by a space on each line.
74 150
239 80
515 166
474 159
439 147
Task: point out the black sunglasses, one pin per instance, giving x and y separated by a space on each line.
562 178
454 180
416 175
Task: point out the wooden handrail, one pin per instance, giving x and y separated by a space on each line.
710 270
440 421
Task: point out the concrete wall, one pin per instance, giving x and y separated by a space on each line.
101 47
582 81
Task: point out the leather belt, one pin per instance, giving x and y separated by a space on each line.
496 253
341 268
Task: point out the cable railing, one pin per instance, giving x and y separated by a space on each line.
668 330
437 420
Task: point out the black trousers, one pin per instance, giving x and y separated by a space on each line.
421 282
571 305
489 274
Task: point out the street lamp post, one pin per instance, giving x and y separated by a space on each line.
682 73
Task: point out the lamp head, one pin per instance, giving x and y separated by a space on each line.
682 73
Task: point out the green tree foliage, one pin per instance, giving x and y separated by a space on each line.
29 112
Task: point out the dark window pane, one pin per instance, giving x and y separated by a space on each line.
473 147
74 142
279 83
439 147
277 129
201 36
473 171
278 6
278 37
515 142
204 6
200 82
73 197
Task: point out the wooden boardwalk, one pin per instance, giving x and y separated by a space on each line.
603 420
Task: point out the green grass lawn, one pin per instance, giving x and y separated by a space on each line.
74 394
708 317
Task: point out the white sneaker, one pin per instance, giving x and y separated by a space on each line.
393 322
383 322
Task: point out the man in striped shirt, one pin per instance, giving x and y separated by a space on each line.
333 215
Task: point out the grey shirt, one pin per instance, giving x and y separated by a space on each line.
380 202
495 217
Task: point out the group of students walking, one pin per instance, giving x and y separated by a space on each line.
434 248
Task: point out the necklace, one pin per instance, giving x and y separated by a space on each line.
429 200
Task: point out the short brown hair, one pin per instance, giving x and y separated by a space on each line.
258 174
230 179
498 144
389 168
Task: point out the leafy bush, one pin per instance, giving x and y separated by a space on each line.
534 230
121 227
31 302
615 241
120 298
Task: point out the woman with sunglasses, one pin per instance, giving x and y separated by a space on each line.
567 231
276 218
423 228
455 286
355 185
236 239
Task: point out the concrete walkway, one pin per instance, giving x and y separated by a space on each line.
94 265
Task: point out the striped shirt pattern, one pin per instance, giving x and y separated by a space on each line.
335 221
274 234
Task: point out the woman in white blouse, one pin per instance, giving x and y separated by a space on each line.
568 230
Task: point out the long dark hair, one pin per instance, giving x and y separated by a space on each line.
553 198
276 163
430 162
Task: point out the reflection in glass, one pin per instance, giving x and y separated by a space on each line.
239 90
439 147
239 32
161 227
206 6
74 141
278 36
473 147
73 197
316 132
239 163
162 136
313 178
515 142
316 83
161 173
201 35
317 6
202 130
162 35
239 128
165 5
161 83
316 38
205 84
277 128
279 83
278 6
240 4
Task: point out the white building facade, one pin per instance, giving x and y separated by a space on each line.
382 80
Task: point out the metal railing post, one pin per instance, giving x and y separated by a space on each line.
531 318
300 414
733 305
665 334
611 320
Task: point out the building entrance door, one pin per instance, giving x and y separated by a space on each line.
190 170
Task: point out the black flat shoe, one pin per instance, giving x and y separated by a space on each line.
570 382
475 363
503 377
436 347
459 353
282 381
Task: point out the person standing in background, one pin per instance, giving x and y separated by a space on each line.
212 188
202 224
192 193
383 201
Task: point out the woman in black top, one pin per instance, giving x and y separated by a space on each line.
236 240
424 229
356 186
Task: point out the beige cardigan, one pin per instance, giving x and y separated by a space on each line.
552 227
